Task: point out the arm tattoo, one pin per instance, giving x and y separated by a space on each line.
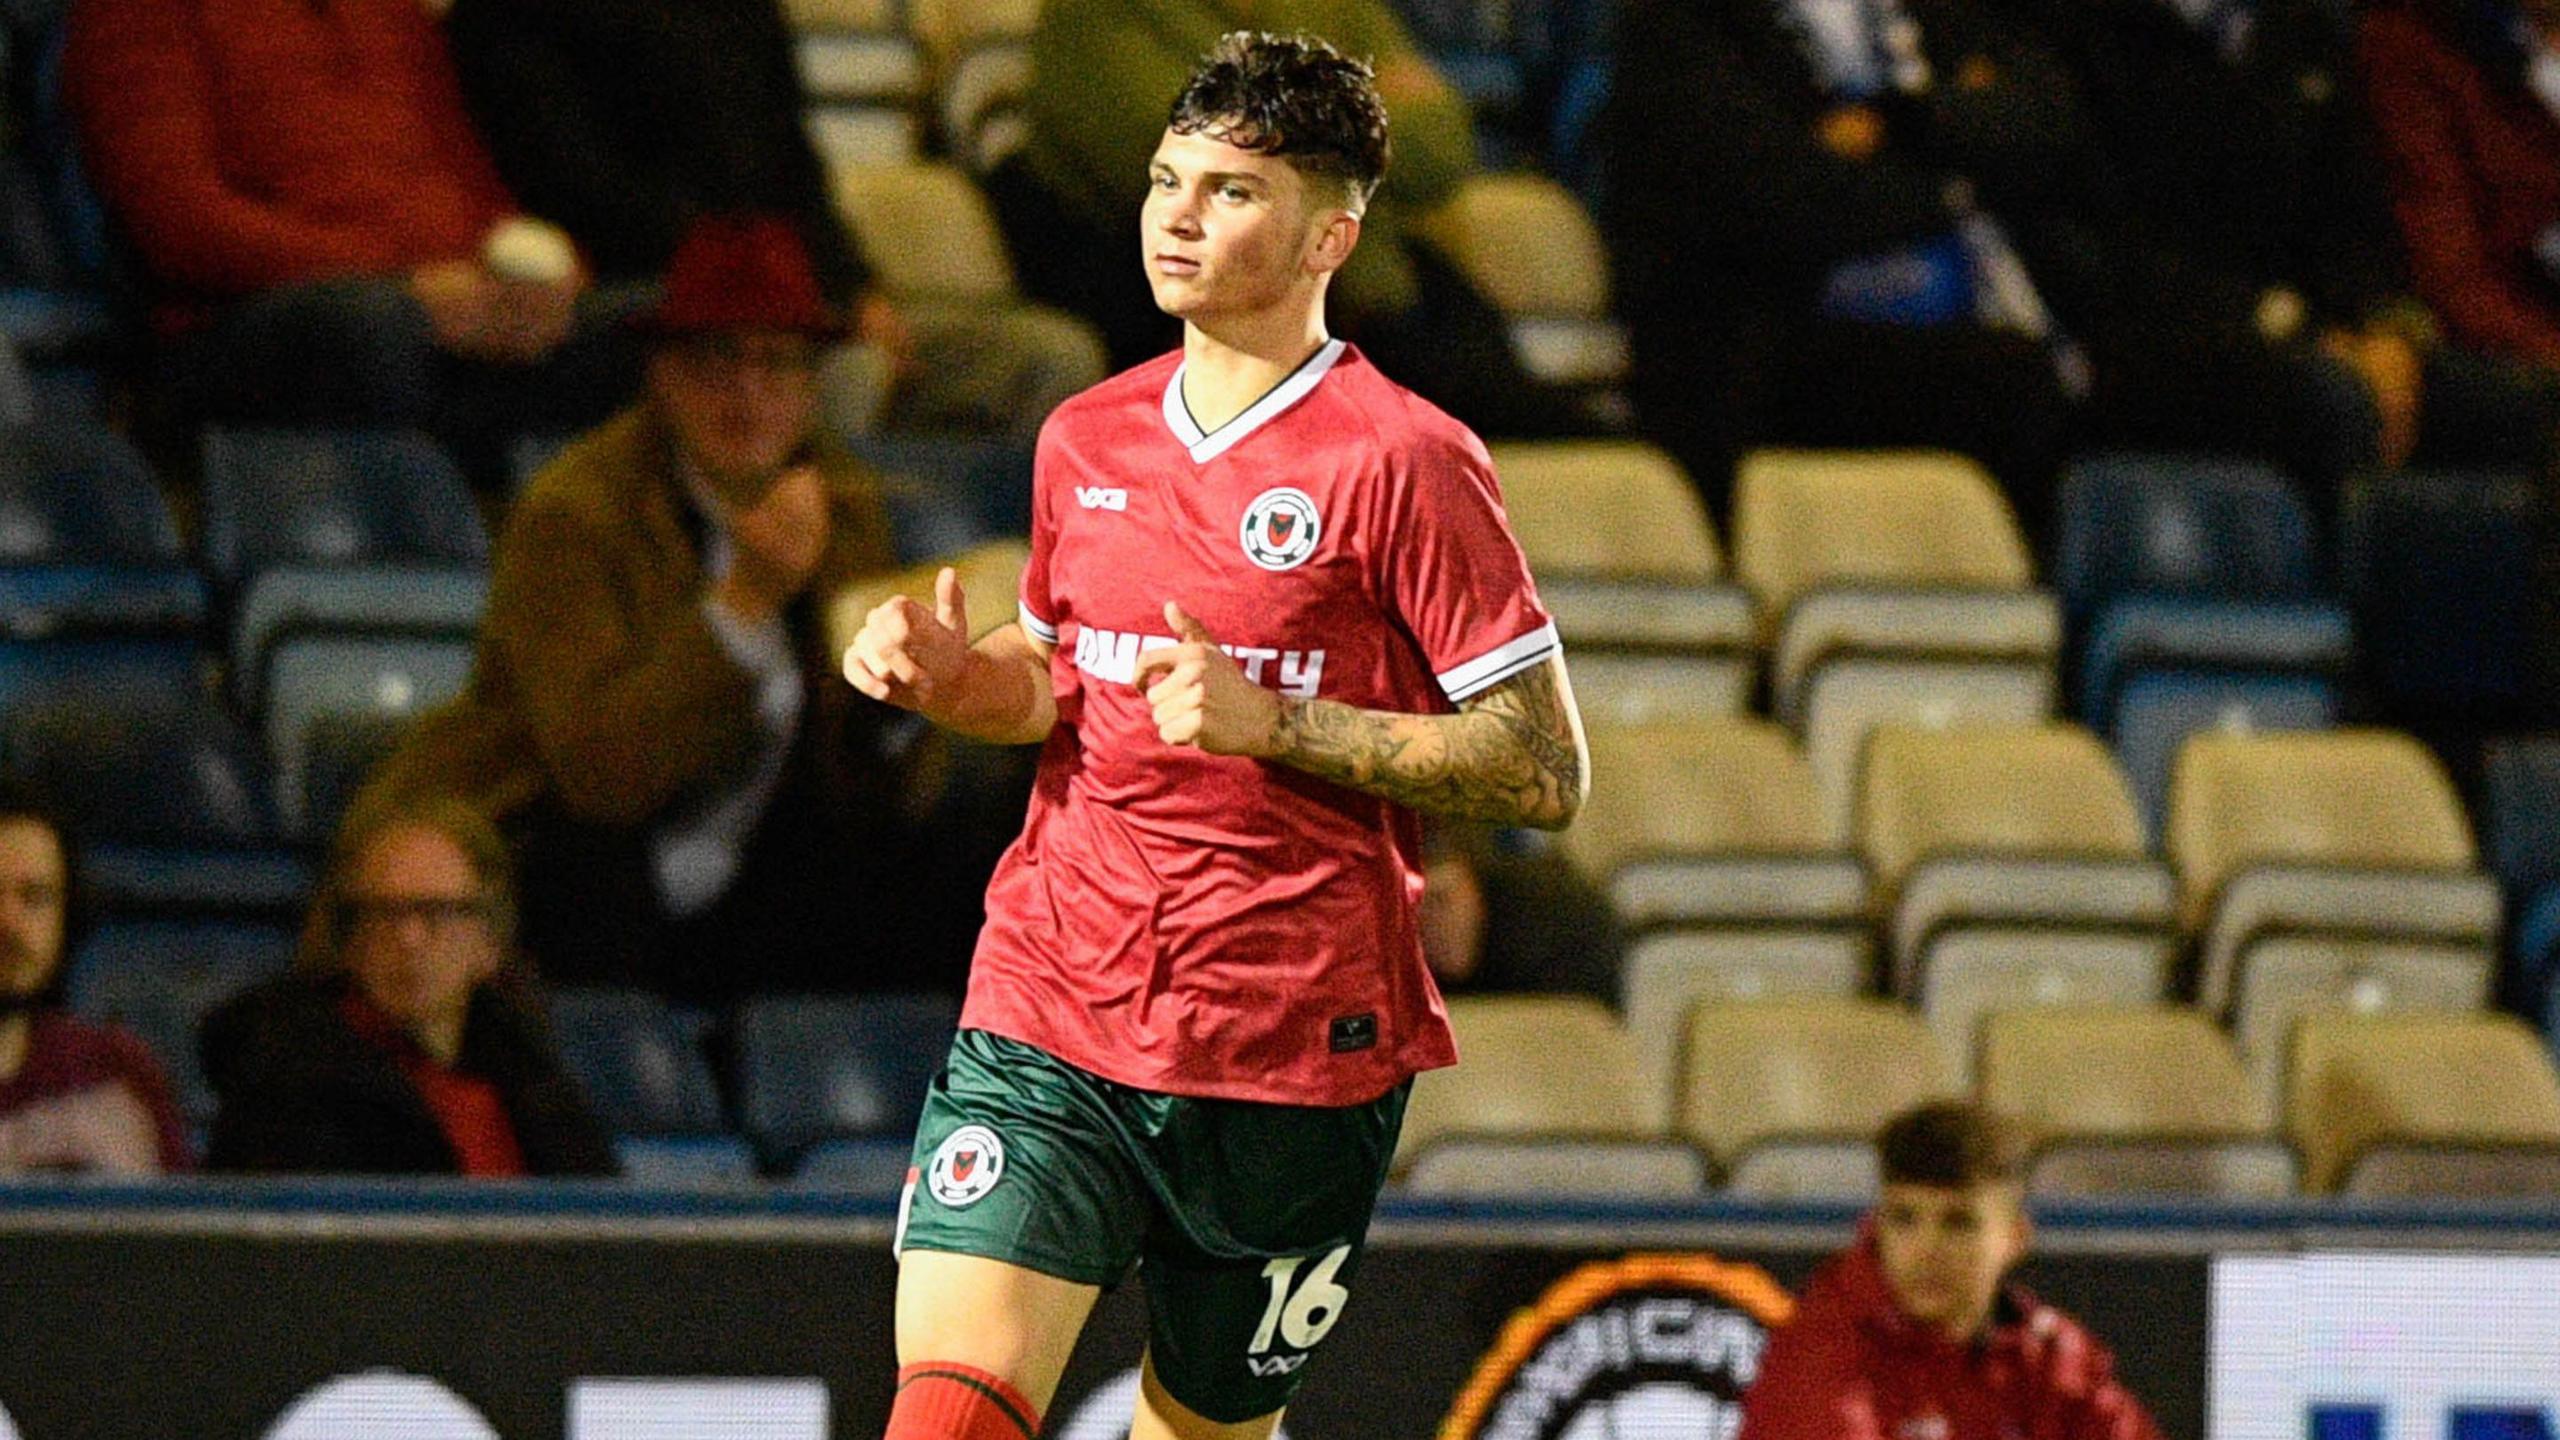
1512 755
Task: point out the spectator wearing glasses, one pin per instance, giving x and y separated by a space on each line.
704 807
401 1042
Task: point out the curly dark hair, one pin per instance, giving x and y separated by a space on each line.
1294 97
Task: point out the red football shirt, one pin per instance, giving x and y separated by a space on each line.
1210 925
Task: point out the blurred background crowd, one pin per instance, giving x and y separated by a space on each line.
2050 506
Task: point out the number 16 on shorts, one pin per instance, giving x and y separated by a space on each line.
1302 1310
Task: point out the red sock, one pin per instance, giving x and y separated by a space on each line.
940 1400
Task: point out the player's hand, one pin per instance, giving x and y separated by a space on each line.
1201 697
910 656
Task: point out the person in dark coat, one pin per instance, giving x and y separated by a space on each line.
400 1044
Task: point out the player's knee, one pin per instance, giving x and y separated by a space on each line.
945 1400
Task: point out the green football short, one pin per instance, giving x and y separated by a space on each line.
1248 1217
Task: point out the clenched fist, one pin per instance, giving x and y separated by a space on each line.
1201 697
910 656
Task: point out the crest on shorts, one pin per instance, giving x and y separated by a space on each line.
1281 529
966 1166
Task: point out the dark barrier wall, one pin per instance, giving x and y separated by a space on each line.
147 1329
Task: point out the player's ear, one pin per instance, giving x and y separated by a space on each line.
1336 231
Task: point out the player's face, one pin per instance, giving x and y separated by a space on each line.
418 934
1945 1248
1228 231
741 403
32 877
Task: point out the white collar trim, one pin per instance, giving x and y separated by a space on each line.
1208 445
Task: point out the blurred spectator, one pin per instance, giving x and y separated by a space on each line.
704 805
621 120
400 1044
1915 1331
1069 200
1804 194
73 1096
2230 262
1502 921
2466 98
328 238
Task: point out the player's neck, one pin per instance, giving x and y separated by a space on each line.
1228 367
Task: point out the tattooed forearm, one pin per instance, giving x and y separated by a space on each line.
1512 755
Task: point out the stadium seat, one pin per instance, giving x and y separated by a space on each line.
2133 1100
1531 249
319 676
952 27
1714 851
2439 568
875 1167
1536 1066
979 99
289 602
173 801
159 978
2520 831
87 543
339 752
1788 1094
2009 864
1627 561
822 15
1894 585
686 1162
2192 592
1559 1169
849 137
640 1063
859 67
927 232
2449 1106
334 497
2326 871
817 1067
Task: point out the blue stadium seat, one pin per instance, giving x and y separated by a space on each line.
2439 567
334 497
159 978
288 602
321 676
87 543
876 1168
640 1062
686 1162
949 492
813 1068
2191 587
2520 840
172 798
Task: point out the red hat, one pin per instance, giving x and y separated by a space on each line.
744 272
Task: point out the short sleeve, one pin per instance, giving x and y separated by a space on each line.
1455 574
1037 607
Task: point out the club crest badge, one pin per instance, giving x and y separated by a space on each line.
966 1166
1281 529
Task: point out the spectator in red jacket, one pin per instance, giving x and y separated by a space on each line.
326 235
2466 99
1914 1331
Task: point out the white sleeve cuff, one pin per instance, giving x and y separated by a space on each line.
1465 681
1037 628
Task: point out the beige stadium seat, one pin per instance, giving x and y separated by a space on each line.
952 27
1529 1066
1713 850
1628 562
1893 585
979 96
1788 1094
2133 1100
990 576
927 232
849 137
1536 1169
872 15
853 67
2326 870
1532 250
2454 1106
2009 868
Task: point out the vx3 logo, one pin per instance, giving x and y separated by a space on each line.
1266 1366
1097 497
